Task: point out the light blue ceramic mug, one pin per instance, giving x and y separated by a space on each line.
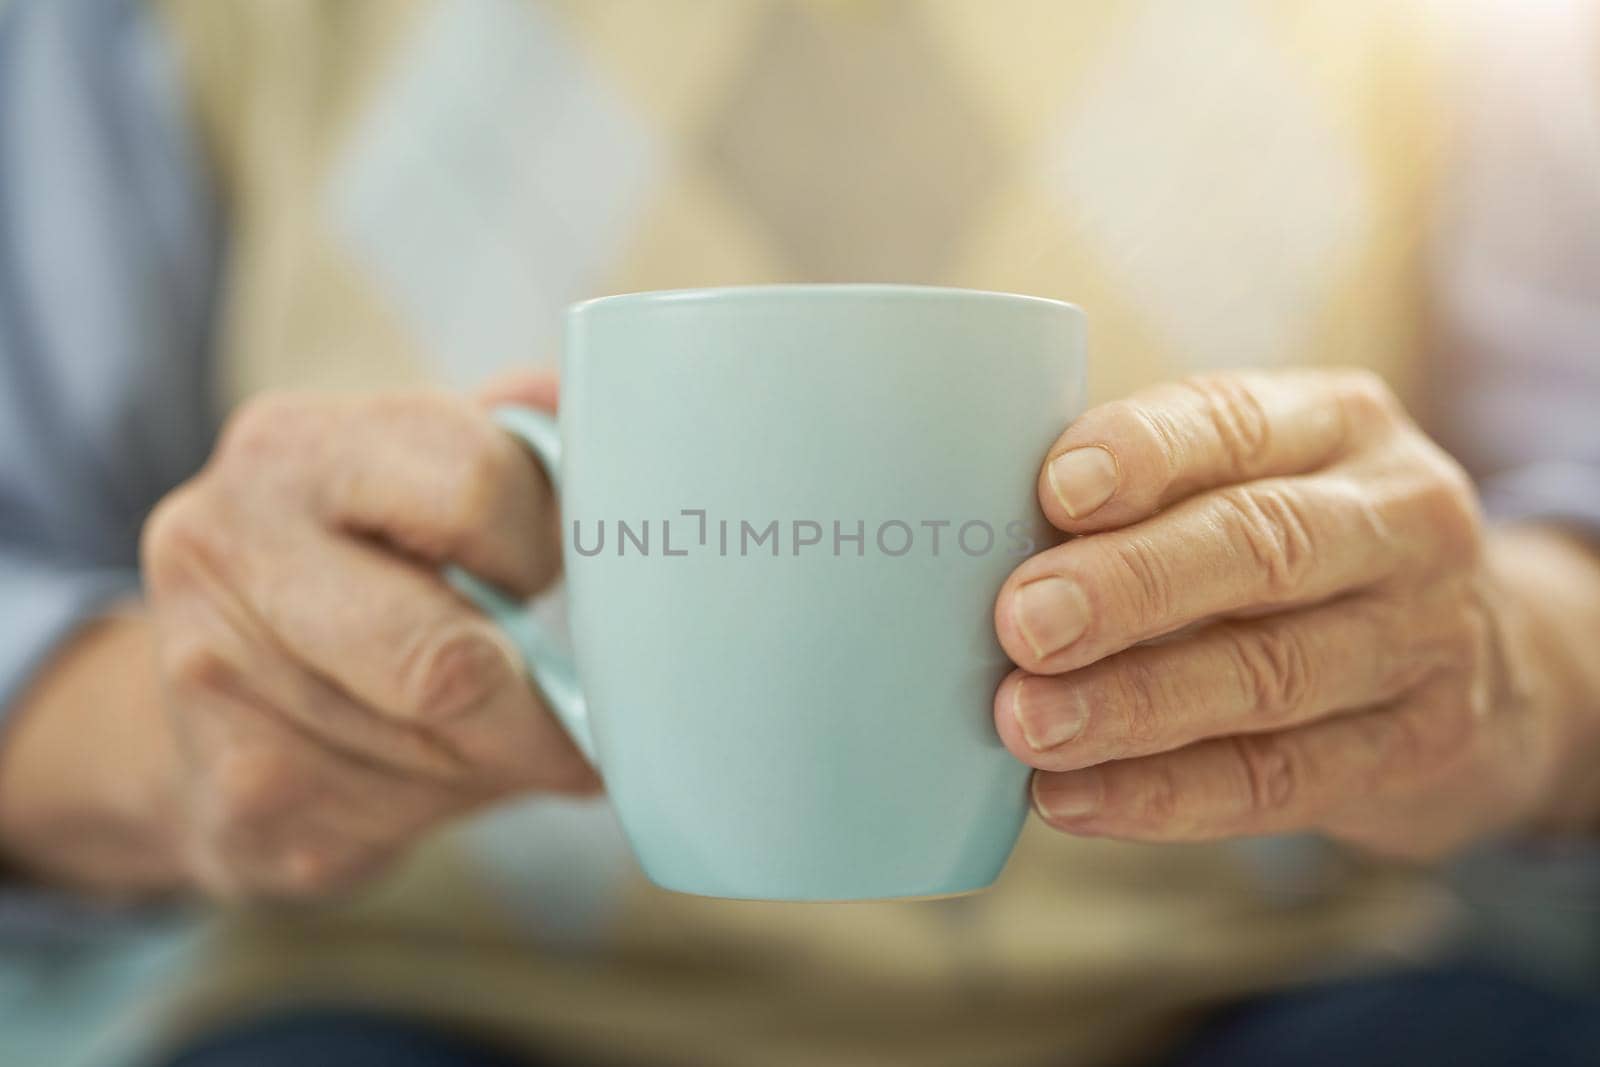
786 513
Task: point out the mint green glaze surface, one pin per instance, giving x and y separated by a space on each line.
808 726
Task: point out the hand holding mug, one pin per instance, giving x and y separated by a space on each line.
1335 653
333 697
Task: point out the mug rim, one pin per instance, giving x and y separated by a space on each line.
851 290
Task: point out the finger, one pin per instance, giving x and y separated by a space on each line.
394 636
1124 461
217 646
1261 546
1232 677
399 640
1260 783
386 631
277 813
448 485
429 473
537 388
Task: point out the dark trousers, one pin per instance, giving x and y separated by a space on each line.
1451 1018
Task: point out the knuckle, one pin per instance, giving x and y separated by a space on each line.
1160 802
1448 504
1272 778
258 430
1145 591
1268 523
454 673
1366 400
196 663
1137 699
1370 523
180 534
1234 417
1409 646
1155 451
1273 669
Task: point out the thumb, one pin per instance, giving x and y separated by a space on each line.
532 388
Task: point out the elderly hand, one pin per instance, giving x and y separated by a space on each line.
1280 614
332 697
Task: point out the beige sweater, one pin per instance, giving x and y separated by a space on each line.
414 191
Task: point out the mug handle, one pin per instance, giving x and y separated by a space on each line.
552 671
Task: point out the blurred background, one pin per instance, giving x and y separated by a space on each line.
204 199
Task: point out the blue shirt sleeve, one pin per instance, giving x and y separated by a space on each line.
109 251
108 258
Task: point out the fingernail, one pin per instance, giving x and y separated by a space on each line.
1083 479
1051 613
1047 723
1073 795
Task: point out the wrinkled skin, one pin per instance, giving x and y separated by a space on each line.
1333 648
332 698
1280 611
